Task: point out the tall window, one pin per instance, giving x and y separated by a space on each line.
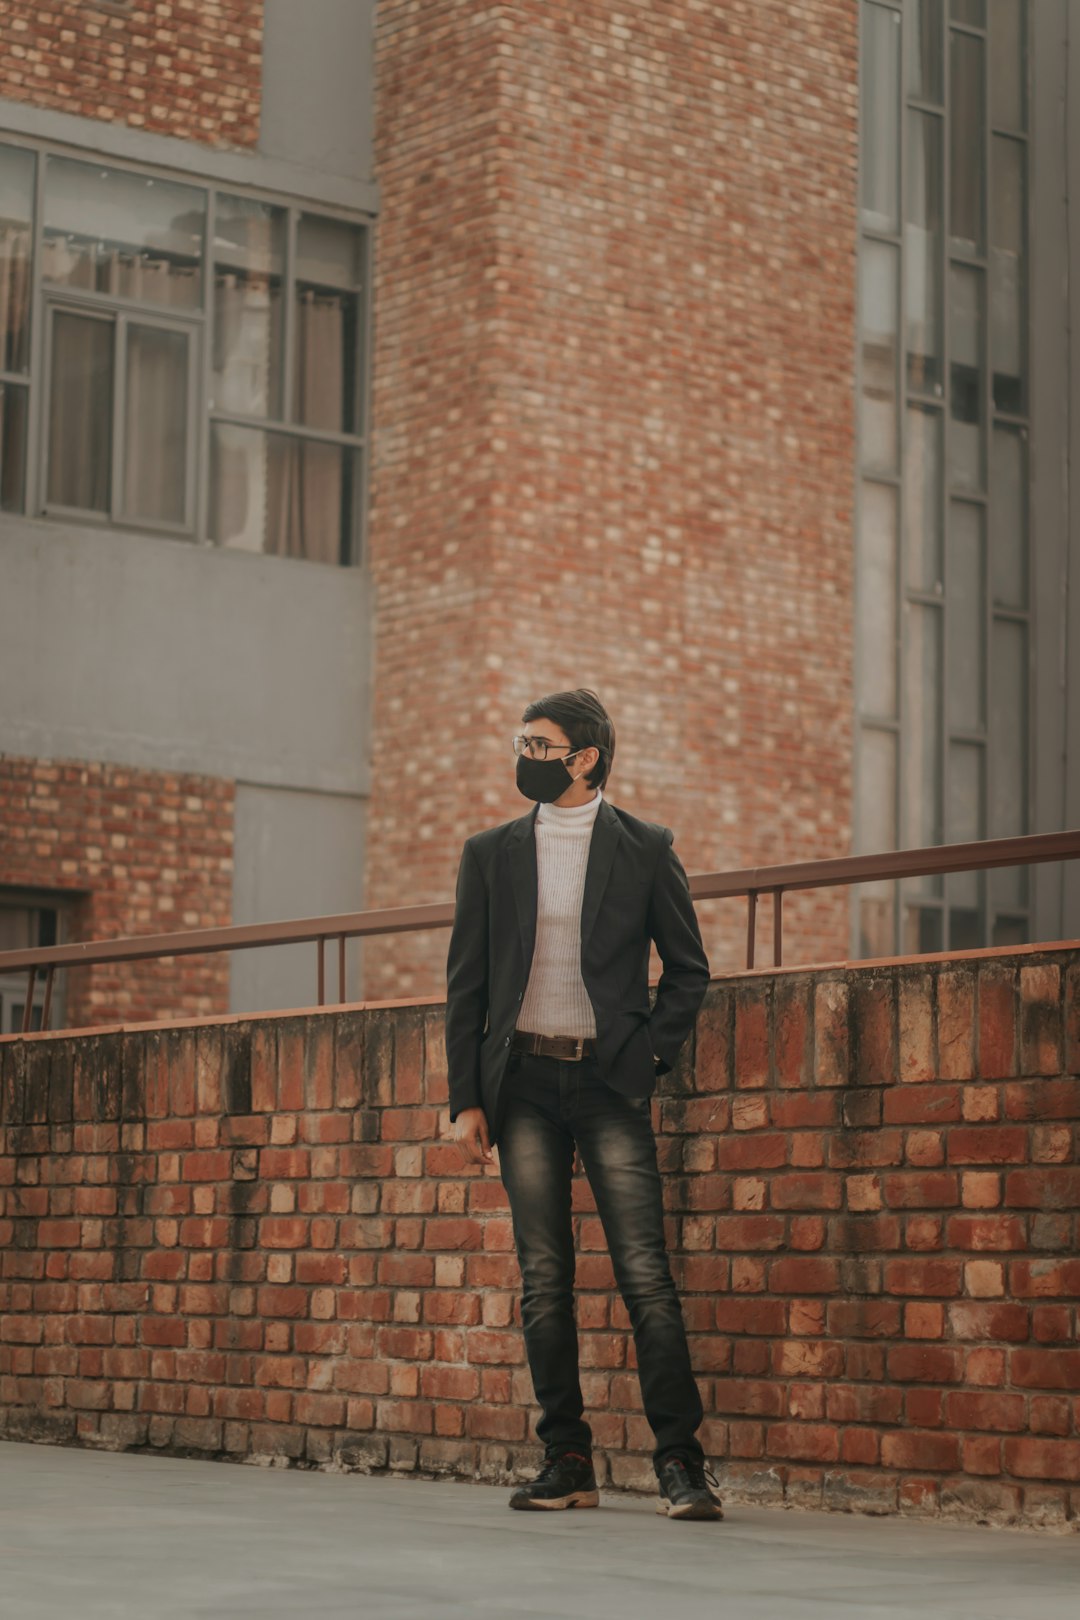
178 358
942 599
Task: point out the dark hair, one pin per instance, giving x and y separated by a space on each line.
586 722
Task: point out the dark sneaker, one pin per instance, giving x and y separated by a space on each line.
565 1481
684 1493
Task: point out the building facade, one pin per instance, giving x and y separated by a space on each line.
371 370
185 629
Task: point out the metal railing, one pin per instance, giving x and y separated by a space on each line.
750 883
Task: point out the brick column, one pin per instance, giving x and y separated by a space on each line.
614 427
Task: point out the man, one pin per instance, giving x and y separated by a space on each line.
551 1046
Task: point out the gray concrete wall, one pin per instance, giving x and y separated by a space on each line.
168 655
317 85
165 655
297 855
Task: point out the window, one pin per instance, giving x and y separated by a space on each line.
16 217
288 298
197 364
943 629
28 921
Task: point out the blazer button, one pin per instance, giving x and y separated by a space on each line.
507 1041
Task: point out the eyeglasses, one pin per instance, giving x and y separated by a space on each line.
538 747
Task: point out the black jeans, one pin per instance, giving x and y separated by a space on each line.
551 1106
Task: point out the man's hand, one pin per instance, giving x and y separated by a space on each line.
470 1132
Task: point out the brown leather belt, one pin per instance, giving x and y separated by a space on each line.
570 1048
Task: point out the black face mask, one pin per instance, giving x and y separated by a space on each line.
544 780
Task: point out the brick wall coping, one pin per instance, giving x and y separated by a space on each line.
1016 952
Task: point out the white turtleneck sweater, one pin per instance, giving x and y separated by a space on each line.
556 1001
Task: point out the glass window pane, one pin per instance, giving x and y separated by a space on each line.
13 403
1008 730
879 314
1008 64
249 260
966 377
880 120
876 907
80 412
924 27
966 141
17 928
1010 930
130 235
1008 753
923 270
876 830
327 361
1008 518
288 497
876 623
1007 238
875 833
969 11
923 929
156 429
966 606
965 819
329 252
16 216
923 506
922 731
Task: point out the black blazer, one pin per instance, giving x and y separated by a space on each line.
635 891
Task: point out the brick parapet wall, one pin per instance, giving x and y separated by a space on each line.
613 429
124 851
190 68
247 1239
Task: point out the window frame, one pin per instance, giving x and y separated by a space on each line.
46 297
941 899
98 307
13 985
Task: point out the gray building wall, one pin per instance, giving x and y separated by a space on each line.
317 66
297 855
1055 450
128 648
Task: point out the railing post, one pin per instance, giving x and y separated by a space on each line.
341 967
751 925
322 972
28 1009
48 997
777 927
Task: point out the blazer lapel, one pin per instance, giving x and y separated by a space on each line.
521 852
602 847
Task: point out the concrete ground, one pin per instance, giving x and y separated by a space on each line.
106 1536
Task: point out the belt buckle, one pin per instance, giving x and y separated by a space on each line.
579 1049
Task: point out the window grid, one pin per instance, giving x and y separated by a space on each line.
48 297
964 910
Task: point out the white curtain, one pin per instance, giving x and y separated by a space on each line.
14 296
305 492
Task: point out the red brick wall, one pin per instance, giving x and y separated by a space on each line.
171 66
613 386
140 852
246 1239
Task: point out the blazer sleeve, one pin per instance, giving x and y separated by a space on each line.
673 926
467 985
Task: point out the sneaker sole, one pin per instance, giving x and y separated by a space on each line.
689 1510
584 1499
